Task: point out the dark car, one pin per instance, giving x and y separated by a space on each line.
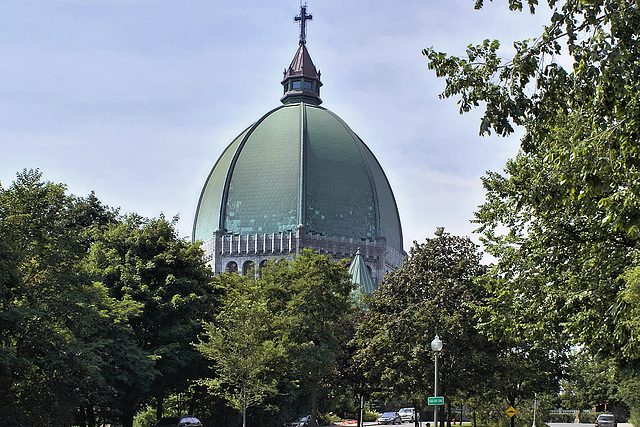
183 421
389 418
606 420
300 422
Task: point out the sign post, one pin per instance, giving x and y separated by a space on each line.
511 412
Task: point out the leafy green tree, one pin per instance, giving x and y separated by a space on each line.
563 217
312 293
166 290
245 345
94 308
348 378
626 313
434 292
590 382
522 370
49 362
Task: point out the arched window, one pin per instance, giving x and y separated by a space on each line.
232 267
247 268
261 266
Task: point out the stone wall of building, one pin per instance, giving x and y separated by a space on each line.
242 252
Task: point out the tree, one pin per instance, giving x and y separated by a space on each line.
244 343
165 286
590 382
434 292
49 360
563 218
522 370
313 293
95 308
348 378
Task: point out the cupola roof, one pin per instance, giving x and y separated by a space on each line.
301 80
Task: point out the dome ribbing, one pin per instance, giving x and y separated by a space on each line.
299 164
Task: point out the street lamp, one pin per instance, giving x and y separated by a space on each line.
436 346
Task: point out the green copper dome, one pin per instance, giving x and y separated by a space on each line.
298 164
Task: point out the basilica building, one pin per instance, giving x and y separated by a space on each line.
296 178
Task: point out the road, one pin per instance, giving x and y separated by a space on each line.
374 423
423 424
583 425
406 424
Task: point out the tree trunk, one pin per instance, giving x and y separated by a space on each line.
244 403
91 417
81 416
314 402
127 415
159 406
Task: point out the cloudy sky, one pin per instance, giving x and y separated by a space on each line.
136 99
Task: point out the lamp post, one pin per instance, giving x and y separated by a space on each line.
436 346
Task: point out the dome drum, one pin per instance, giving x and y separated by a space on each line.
234 252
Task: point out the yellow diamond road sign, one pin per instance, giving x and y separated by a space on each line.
511 411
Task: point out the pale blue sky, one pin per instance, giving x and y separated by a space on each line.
136 99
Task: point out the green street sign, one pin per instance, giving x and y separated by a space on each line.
434 401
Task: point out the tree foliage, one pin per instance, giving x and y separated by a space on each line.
276 338
563 217
434 292
312 294
97 310
48 362
589 383
245 344
166 287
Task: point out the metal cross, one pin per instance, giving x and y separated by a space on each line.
303 18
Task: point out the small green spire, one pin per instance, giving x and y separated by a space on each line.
360 274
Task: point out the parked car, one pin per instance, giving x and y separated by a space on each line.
300 422
409 414
389 418
606 420
182 421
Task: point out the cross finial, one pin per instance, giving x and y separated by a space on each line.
303 18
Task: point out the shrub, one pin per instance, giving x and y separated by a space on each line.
370 416
561 418
588 417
